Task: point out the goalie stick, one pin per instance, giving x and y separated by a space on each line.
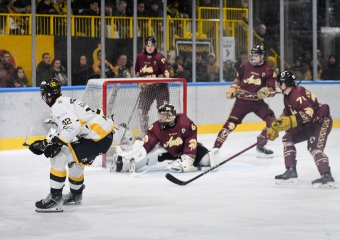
171 178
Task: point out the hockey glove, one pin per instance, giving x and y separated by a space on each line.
230 94
38 147
284 123
272 134
263 93
53 148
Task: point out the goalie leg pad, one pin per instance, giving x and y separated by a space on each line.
155 155
210 160
185 164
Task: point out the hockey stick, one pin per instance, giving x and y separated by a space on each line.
248 94
183 183
27 137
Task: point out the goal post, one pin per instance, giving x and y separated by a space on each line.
133 103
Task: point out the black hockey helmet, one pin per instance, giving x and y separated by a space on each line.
170 112
52 88
257 50
150 40
286 77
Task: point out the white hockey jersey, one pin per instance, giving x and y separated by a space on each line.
75 119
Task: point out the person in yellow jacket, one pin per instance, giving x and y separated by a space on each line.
109 69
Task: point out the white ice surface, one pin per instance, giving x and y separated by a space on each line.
240 201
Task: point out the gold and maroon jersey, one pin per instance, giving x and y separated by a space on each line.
251 79
302 101
151 66
177 140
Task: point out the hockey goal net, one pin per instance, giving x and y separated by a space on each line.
133 103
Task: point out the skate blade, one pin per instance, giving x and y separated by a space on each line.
49 210
289 181
73 203
329 185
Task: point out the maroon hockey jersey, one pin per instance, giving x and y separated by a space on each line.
302 101
177 140
251 79
151 66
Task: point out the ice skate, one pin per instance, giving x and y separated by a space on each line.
263 152
326 181
288 177
52 203
72 198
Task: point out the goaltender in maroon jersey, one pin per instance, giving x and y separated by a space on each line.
177 140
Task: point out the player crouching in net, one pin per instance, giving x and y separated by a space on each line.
304 118
173 137
74 119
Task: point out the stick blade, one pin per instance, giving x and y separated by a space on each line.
174 180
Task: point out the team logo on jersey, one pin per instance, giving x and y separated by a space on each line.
252 80
173 142
193 127
309 111
183 130
151 127
163 60
192 144
312 139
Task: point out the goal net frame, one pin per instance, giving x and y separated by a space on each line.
110 83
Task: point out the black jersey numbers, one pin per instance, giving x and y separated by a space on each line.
67 121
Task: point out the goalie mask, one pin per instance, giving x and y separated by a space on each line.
257 55
50 88
167 115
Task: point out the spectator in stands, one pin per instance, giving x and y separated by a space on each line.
177 69
43 23
45 7
60 6
109 69
121 70
155 11
122 25
142 24
321 60
243 57
82 72
25 19
301 70
78 6
17 78
6 67
85 24
3 6
332 71
109 8
265 39
15 21
201 69
44 69
59 71
212 69
229 72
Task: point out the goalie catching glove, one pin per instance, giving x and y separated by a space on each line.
185 164
230 94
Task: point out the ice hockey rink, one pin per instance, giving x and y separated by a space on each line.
240 201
